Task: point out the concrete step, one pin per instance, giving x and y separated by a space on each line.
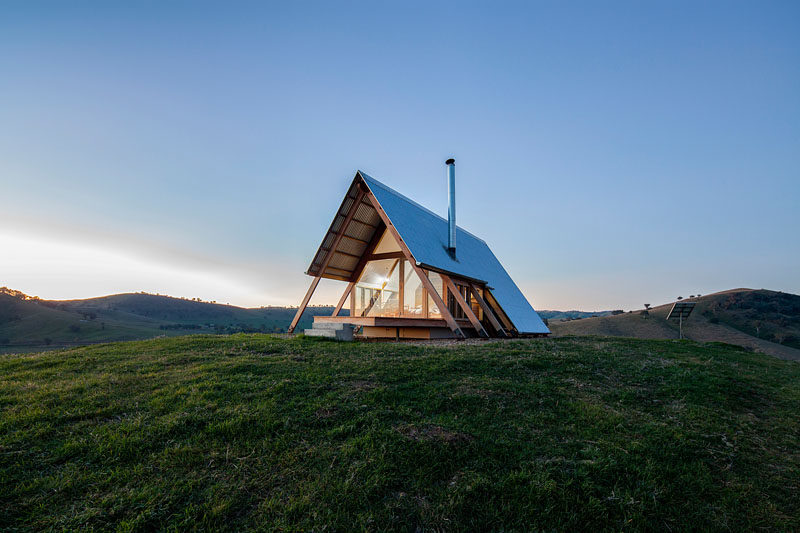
313 332
338 334
319 324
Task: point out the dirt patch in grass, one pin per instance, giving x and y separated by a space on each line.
360 385
325 412
466 390
432 432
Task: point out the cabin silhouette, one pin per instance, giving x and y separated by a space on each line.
413 274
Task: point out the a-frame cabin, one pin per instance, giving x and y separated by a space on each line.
405 276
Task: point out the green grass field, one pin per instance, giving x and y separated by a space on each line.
254 432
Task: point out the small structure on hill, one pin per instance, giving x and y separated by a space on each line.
680 311
412 274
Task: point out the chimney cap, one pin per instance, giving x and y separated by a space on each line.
450 161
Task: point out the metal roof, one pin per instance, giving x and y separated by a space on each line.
425 234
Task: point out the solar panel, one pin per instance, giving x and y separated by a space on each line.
679 311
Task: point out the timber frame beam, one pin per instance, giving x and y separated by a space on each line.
343 299
487 311
464 305
386 255
501 315
303 305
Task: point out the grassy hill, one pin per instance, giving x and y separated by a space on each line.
30 323
33 324
570 315
761 320
248 431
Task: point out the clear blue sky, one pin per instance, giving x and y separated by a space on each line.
611 153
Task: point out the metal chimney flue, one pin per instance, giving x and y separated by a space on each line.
451 206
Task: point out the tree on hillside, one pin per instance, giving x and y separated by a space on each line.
680 297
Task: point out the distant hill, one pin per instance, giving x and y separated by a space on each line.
31 323
572 315
761 320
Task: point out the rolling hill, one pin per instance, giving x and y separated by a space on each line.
251 432
761 320
31 324
548 314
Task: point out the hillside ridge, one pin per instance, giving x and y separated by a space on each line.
757 319
30 323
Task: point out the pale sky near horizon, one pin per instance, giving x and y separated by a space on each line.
609 153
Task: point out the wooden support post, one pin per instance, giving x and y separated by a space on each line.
451 322
343 299
401 288
511 331
434 294
303 305
487 310
464 306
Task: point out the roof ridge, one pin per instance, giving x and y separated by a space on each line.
367 177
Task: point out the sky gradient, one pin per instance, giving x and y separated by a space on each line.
610 153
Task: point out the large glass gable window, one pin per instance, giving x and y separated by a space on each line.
377 292
390 287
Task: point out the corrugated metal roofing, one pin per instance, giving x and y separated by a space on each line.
361 229
425 234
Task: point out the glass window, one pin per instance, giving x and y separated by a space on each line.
413 293
476 307
433 309
377 292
